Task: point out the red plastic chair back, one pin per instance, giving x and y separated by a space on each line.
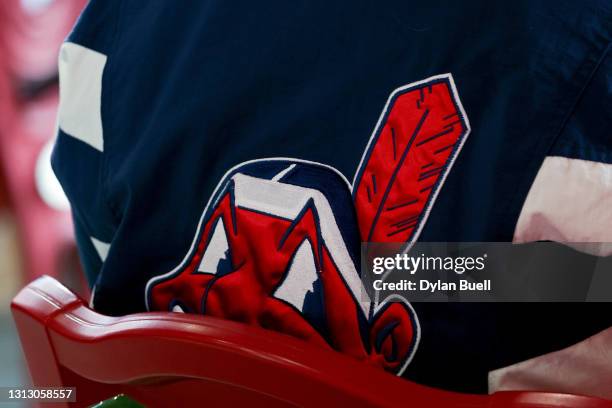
172 359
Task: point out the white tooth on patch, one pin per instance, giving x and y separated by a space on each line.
216 250
300 277
177 309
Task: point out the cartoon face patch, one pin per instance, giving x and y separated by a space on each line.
278 243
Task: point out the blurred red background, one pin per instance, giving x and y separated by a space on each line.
35 228
35 215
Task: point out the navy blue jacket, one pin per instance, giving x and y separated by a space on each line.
161 99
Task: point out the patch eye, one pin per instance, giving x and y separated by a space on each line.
300 277
216 253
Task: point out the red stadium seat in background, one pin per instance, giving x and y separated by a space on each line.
31 33
172 359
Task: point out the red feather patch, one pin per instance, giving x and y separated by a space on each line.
412 149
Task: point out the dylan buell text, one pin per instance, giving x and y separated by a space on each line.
424 285
409 264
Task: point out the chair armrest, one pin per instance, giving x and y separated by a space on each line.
156 347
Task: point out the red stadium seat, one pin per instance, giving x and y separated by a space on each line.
29 95
171 359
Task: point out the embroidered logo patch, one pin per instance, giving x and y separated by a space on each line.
412 149
278 243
